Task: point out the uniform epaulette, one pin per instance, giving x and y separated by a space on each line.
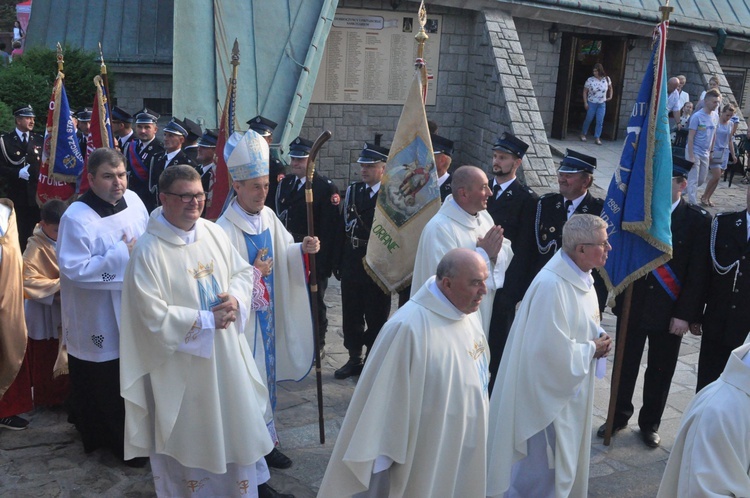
724 213
548 195
700 210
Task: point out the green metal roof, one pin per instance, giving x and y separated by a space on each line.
130 31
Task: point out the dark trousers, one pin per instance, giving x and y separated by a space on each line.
97 409
712 360
26 219
663 351
362 304
502 319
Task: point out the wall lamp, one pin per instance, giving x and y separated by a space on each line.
631 42
554 33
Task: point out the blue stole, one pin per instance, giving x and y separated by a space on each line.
264 319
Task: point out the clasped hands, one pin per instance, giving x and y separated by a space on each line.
492 242
226 312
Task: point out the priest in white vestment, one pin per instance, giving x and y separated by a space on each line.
281 335
416 425
463 221
711 453
540 412
194 399
95 238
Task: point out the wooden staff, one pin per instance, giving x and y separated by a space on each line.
323 138
622 332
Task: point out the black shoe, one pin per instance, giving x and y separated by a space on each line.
352 367
137 462
278 460
651 438
266 491
14 423
615 429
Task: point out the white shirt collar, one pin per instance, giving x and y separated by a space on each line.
432 286
674 205
187 236
585 276
574 204
503 186
474 216
302 181
253 220
170 155
442 179
20 134
375 189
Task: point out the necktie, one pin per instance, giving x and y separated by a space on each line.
496 190
368 190
24 141
568 204
297 184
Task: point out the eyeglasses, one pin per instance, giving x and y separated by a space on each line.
187 198
603 245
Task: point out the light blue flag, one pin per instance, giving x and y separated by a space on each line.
639 200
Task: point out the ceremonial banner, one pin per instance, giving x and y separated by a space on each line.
222 184
62 161
409 197
639 200
101 127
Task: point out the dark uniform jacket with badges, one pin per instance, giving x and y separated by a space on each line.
292 211
652 306
550 217
354 232
14 157
139 164
276 172
727 316
159 163
514 211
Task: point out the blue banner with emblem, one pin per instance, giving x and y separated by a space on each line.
638 204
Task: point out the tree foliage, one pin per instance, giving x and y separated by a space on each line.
29 79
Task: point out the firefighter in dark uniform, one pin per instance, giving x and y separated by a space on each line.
190 147
205 160
292 211
122 126
665 302
20 158
363 302
726 319
140 153
276 170
575 177
83 123
511 206
174 136
443 150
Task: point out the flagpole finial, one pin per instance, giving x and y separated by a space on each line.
665 11
60 59
102 66
236 53
421 36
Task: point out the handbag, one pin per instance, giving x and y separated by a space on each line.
717 156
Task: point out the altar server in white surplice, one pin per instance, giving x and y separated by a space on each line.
540 413
194 398
711 453
416 425
281 335
96 234
463 221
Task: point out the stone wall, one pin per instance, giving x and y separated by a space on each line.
131 89
738 61
353 125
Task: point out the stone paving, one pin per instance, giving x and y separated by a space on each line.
47 460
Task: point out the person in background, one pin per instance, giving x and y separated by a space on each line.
596 92
722 152
713 82
702 130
